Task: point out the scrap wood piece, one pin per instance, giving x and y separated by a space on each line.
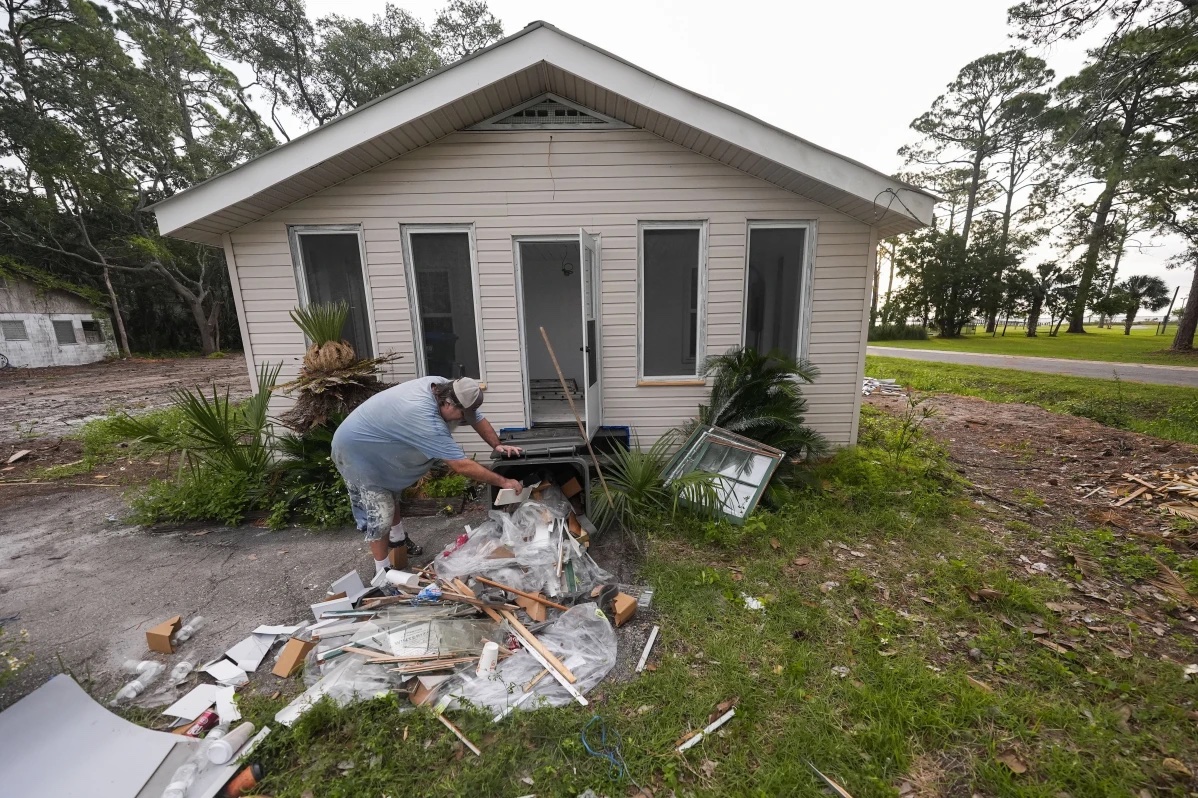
531 683
532 641
18 455
562 680
1138 481
840 792
708 729
537 597
460 735
1130 496
463 589
640 665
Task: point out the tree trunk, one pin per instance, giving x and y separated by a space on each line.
889 286
1129 319
122 337
1103 319
1003 241
1183 341
974 180
1033 317
873 308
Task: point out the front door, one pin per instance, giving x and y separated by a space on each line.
588 256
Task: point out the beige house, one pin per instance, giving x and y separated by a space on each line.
543 182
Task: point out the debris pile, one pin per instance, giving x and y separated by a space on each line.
1173 491
885 387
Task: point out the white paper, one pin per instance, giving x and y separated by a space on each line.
109 757
227 673
509 496
351 585
277 630
328 606
226 708
249 653
192 705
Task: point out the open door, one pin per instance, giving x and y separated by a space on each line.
588 256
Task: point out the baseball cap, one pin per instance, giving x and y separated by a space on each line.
469 393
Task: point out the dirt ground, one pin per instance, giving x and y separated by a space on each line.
48 403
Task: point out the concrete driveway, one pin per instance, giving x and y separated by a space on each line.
1185 376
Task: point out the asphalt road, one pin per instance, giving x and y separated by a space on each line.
1186 376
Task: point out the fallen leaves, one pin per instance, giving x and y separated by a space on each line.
1176 768
19 455
775 544
1013 762
979 684
1171 585
1064 606
801 562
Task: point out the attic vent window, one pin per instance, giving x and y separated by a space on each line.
549 112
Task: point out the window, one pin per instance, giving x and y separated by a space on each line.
93 333
672 289
742 467
442 289
549 111
774 287
64 331
13 330
328 262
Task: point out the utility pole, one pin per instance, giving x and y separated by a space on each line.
1165 322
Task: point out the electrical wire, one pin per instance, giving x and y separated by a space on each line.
617 767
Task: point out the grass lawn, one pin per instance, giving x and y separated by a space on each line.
1164 411
870 660
1142 346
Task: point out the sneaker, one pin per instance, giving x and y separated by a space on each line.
413 549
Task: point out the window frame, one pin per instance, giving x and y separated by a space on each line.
294 232
409 269
807 278
701 309
24 330
99 329
75 335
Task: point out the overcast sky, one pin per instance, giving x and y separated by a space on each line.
849 76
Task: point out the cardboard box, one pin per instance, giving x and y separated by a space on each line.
624 606
158 638
537 611
322 607
572 488
398 557
425 685
292 656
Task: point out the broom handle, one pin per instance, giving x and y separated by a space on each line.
577 419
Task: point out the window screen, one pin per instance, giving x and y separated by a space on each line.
773 296
13 330
332 266
93 333
445 300
670 302
64 331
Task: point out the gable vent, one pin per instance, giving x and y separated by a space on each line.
549 112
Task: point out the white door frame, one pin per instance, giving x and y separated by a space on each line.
520 315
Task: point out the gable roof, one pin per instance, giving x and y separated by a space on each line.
43 281
538 60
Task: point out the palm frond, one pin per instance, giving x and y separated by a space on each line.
322 322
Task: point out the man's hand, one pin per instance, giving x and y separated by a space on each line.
513 484
504 450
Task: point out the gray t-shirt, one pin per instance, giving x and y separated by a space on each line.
390 440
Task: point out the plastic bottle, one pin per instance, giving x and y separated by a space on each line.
181 671
221 751
190 628
183 778
138 686
137 667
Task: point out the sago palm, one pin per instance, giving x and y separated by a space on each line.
760 396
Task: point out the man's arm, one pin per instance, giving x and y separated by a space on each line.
487 433
480 473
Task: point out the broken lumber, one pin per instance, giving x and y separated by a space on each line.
532 641
537 597
640 666
458 733
1130 496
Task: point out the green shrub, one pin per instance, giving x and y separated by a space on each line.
303 485
445 487
195 494
898 332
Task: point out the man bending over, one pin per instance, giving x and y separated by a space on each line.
391 440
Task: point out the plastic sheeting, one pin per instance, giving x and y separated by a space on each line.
521 550
582 638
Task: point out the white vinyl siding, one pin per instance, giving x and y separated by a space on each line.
551 183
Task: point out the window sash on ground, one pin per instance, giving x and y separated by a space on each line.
672 300
330 266
442 278
777 295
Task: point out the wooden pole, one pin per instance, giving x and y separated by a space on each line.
531 596
577 418
532 641
1164 325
